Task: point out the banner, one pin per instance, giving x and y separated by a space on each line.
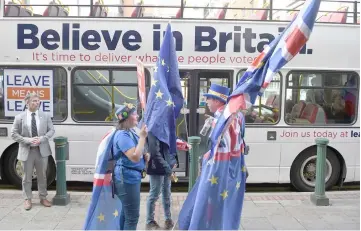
18 83
141 83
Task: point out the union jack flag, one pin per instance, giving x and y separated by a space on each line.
261 72
216 200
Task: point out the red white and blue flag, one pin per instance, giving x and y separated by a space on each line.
261 72
216 200
104 209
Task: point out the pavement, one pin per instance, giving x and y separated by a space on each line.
261 211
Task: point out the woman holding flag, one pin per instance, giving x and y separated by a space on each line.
128 151
119 169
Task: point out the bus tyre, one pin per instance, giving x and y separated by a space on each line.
13 170
303 170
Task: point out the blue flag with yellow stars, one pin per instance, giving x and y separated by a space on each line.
216 200
165 99
104 210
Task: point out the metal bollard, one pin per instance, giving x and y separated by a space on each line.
319 197
61 153
193 160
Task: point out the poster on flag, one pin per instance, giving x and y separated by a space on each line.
19 82
141 83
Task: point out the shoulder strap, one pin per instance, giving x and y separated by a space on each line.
111 165
111 161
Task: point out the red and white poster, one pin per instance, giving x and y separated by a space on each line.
141 83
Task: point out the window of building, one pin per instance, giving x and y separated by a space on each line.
320 98
49 83
266 108
98 93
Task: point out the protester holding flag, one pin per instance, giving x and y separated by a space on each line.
128 151
216 98
119 168
160 173
216 200
164 103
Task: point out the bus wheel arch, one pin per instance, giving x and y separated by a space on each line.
11 168
303 169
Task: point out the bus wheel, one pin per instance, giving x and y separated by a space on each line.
13 169
303 170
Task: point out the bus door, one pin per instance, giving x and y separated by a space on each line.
193 114
182 124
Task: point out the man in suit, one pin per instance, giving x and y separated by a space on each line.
32 129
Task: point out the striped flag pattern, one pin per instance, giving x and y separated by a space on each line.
216 200
261 72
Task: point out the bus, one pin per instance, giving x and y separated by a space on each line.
85 67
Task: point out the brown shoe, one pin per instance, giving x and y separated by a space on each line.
153 225
45 202
27 204
168 224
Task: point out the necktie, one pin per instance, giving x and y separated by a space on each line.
34 130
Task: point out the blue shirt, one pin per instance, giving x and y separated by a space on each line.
126 170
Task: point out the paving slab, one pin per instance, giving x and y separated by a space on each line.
261 211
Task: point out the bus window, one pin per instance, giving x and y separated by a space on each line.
90 77
98 93
10 103
321 97
267 107
125 76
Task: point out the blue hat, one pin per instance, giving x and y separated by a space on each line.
124 111
218 92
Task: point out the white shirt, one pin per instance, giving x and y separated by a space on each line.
29 117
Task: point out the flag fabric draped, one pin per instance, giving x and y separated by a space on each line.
215 202
216 199
104 210
261 72
165 98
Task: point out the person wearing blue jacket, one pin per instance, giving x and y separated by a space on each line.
159 169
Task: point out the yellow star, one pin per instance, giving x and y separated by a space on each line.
115 213
154 82
213 180
163 63
159 94
224 194
170 102
101 217
156 69
238 185
244 168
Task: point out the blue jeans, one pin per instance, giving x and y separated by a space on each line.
158 183
129 195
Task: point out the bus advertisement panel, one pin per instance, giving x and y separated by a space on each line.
18 83
198 43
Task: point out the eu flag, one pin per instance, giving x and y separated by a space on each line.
104 210
165 98
216 199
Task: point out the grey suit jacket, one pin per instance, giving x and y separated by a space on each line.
20 133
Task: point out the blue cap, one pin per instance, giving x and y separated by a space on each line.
124 111
218 92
